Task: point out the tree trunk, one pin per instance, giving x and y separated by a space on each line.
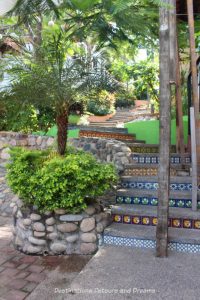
62 124
164 166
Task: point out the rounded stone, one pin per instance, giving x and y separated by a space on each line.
50 221
50 228
35 241
18 241
33 249
71 218
87 224
19 214
67 227
100 228
35 217
88 237
39 234
52 236
58 247
72 238
14 210
88 248
27 222
60 211
90 210
19 203
37 226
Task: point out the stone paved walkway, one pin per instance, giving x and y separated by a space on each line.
20 274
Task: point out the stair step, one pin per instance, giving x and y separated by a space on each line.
152 170
182 240
147 216
110 135
151 211
148 148
103 129
153 201
177 183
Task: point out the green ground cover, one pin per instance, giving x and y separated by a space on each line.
144 130
149 130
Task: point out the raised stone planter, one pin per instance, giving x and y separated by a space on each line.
55 233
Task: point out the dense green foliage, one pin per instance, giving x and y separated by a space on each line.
50 181
101 104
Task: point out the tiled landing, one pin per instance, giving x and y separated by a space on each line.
137 237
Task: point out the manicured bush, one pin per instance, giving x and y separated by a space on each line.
50 181
101 104
124 99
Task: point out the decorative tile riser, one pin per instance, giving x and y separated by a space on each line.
106 135
149 244
153 186
155 159
147 150
150 201
152 221
146 172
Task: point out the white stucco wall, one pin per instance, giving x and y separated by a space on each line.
6 5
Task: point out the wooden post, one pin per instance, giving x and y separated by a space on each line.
179 108
165 122
195 97
194 159
172 40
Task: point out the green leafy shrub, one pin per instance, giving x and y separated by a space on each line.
101 104
50 181
124 99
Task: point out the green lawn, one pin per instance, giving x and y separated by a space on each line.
149 130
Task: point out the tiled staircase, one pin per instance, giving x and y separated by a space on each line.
135 211
124 116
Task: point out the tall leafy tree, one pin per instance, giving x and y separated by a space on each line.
52 81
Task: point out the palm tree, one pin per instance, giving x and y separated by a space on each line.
55 81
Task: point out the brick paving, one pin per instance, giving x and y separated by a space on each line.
20 274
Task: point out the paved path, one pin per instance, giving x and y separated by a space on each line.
20 274
124 273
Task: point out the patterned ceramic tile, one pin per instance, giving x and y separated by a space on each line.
152 221
182 203
153 186
155 159
149 244
110 135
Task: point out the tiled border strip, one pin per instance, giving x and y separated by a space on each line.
153 186
149 244
153 201
186 223
145 159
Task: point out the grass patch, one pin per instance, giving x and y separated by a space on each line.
149 130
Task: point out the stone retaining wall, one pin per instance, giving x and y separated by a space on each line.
103 149
54 233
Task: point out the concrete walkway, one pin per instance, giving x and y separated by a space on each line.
125 273
20 274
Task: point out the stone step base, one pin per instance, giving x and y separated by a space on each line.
181 240
147 216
